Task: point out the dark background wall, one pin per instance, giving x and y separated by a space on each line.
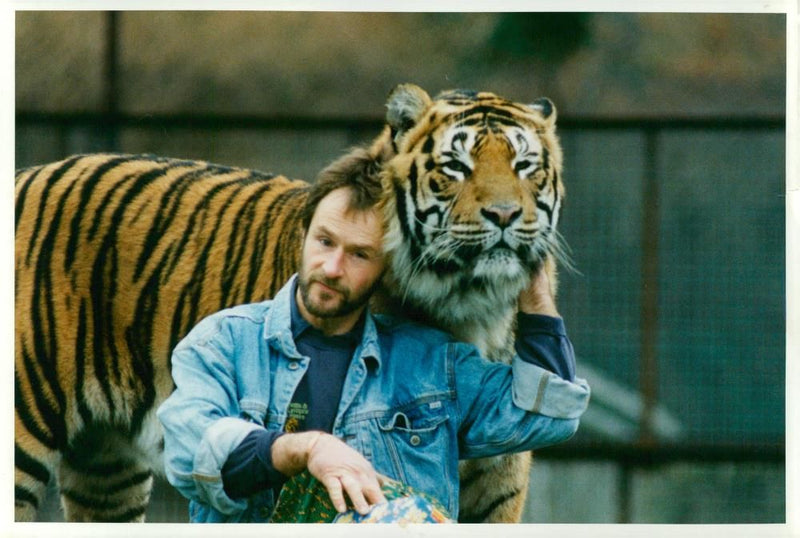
674 143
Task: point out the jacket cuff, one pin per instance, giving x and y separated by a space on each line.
219 440
536 390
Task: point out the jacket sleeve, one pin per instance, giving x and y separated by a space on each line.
516 407
201 419
249 467
542 340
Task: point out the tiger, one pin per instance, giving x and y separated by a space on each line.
118 256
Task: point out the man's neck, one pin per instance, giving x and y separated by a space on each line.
333 327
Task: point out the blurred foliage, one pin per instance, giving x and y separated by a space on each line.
549 37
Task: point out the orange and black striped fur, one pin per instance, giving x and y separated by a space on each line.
118 256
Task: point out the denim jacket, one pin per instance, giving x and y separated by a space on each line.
414 402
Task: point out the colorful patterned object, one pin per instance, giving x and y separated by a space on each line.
304 500
402 510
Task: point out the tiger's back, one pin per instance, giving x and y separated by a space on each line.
116 258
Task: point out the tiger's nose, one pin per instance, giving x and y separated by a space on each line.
502 214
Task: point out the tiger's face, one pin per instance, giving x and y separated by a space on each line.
473 193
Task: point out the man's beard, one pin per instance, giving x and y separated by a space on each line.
348 304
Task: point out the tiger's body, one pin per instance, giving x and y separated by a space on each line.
117 257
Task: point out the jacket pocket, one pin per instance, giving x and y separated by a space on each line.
415 427
420 447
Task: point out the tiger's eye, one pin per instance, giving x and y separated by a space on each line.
458 167
522 165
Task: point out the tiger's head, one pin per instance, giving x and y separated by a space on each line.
472 196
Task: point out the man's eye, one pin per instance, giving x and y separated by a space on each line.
325 242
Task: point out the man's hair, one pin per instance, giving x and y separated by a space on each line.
356 171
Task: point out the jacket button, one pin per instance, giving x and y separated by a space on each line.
415 440
293 365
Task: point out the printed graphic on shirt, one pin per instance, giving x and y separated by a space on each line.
297 417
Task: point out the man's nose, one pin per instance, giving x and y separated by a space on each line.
334 263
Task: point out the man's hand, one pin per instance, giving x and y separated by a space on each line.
537 297
337 466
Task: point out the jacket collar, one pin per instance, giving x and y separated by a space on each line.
278 328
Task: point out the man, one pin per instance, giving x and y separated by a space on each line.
312 381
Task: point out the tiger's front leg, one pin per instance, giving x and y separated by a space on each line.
493 490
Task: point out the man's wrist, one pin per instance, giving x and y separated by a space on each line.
538 304
538 296
290 452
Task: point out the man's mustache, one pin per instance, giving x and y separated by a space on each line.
330 283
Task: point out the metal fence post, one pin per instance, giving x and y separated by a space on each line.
111 82
651 229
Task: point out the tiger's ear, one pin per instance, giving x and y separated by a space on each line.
406 105
546 108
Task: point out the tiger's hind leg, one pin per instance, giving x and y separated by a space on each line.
493 490
89 495
102 479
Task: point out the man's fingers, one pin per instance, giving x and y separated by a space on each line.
334 487
342 470
361 495
364 493
374 494
353 488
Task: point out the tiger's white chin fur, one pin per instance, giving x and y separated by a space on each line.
476 304
499 265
